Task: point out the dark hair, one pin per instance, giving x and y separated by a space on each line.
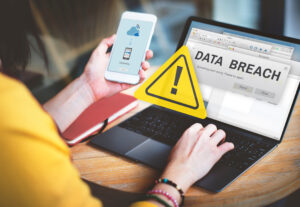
16 23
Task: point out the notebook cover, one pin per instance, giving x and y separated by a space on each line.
96 114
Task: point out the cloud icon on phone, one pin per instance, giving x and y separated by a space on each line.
134 31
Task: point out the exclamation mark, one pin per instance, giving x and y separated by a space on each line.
178 73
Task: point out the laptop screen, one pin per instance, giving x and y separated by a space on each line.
247 80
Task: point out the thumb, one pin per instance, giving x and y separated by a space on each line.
105 44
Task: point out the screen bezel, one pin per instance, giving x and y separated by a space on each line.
251 31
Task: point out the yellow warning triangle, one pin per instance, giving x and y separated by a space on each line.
174 86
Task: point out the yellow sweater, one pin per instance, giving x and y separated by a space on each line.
35 164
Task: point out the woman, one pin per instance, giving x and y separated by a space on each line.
35 165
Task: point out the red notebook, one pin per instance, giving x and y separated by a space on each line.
92 119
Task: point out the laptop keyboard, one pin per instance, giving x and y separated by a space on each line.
167 127
245 153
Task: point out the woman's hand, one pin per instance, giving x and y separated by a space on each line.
96 66
192 157
195 154
66 106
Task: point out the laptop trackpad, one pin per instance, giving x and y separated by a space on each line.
119 140
152 153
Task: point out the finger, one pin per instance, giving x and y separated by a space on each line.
189 138
225 147
218 136
110 40
149 54
145 65
105 44
192 133
195 128
209 130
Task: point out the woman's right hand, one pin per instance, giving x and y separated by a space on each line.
195 154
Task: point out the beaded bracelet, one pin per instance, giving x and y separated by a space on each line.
166 194
171 183
158 199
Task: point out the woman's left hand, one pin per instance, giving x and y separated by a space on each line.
96 66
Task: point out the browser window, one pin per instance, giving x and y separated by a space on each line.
248 81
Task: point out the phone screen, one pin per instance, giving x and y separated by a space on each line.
129 48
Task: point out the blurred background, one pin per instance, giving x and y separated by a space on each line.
71 29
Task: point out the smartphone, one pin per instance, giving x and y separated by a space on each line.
132 41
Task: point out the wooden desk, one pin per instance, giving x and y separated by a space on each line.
273 178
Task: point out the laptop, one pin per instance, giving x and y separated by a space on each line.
250 95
